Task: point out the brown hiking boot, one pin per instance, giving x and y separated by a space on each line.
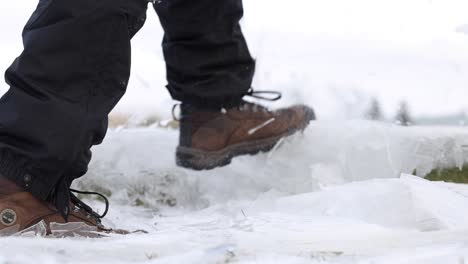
211 138
21 212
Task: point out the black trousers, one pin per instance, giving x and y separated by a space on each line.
75 67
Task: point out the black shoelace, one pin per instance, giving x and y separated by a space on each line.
80 204
275 96
260 95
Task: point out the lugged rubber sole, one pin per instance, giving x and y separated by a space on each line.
205 160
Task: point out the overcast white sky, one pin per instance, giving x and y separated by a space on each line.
392 49
409 20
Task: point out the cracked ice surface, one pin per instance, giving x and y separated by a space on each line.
139 164
336 194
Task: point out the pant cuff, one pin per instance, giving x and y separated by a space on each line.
14 167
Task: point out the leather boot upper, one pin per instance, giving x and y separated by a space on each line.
213 130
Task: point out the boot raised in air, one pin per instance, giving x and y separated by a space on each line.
210 138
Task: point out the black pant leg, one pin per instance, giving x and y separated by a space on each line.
207 58
74 69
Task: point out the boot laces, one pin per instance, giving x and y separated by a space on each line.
244 106
248 106
275 96
81 205
175 116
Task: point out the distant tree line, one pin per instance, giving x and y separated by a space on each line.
402 116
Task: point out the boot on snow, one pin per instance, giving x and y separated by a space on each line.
22 213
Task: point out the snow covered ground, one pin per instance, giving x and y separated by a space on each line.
336 194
